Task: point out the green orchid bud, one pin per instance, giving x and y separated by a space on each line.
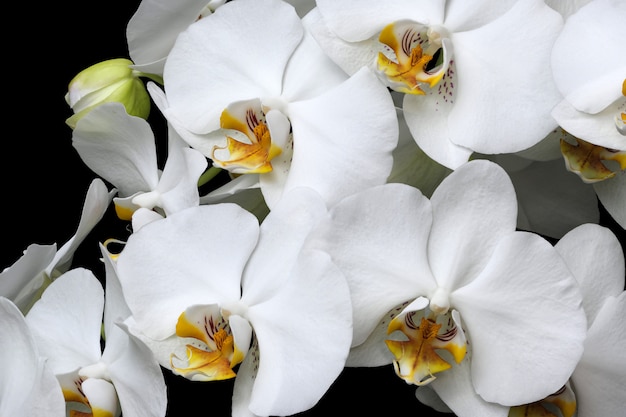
108 81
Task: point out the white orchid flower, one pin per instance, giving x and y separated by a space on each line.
264 100
27 385
596 259
217 297
593 109
473 73
486 315
24 281
66 325
121 149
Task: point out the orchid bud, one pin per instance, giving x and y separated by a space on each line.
107 81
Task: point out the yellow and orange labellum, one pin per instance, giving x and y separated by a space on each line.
406 71
416 360
254 157
585 159
216 361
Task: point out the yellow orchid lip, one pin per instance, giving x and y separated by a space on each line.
213 354
252 150
560 404
416 360
586 160
412 57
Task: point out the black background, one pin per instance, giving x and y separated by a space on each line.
44 181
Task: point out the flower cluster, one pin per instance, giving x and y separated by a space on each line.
415 185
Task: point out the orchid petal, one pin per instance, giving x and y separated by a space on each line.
595 257
467 228
102 397
507 53
456 390
27 385
612 195
391 245
247 68
372 18
96 204
136 374
316 334
354 131
118 147
281 237
66 320
524 320
152 30
601 373
598 27
155 281
25 275
462 16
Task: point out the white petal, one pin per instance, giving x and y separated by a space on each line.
366 18
66 320
152 30
612 195
600 376
343 139
118 147
194 256
595 257
136 374
101 395
462 15
598 27
473 208
455 389
238 52
524 321
282 235
307 324
26 272
378 238
26 384
504 93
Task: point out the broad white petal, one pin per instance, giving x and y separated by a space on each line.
379 240
343 139
118 147
135 373
595 257
310 72
194 256
612 195
598 27
153 28
307 324
282 235
66 321
473 208
504 93
356 20
600 376
463 15
27 385
350 56
237 53
456 390
524 320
